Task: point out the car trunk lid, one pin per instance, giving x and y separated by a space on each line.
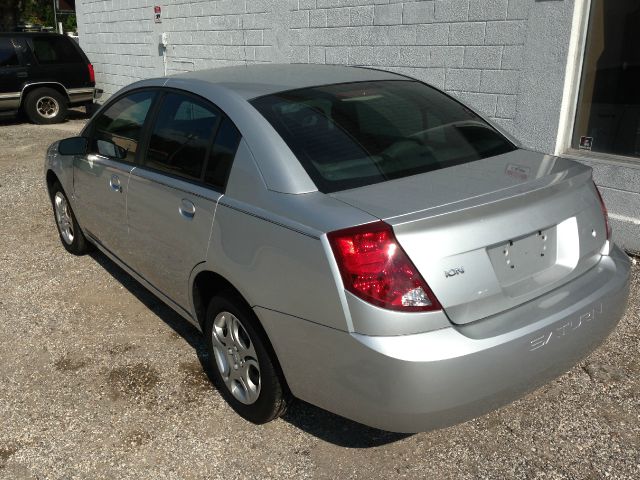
495 233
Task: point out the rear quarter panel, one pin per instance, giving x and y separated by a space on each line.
275 267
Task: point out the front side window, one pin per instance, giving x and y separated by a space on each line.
608 113
181 136
55 49
8 55
354 134
117 130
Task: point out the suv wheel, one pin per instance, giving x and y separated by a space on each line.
45 105
243 369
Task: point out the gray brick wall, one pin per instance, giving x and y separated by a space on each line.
471 48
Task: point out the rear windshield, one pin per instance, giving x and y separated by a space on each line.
354 134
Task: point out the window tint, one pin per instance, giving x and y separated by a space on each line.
181 136
8 55
222 154
355 134
55 49
117 130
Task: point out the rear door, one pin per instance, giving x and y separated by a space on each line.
12 75
100 177
173 195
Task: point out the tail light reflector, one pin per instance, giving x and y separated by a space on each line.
605 213
375 268
92 74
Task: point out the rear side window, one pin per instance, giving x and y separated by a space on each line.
354 134
222 154
8 54
117 130
181 136
55 49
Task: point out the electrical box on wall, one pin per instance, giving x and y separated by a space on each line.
164 41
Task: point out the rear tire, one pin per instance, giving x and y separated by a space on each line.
45 106
242 367
71 236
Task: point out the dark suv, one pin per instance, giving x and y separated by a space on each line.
43 74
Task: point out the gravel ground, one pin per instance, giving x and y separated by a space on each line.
98 379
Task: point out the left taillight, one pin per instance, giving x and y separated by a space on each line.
605 213
375 268
92 73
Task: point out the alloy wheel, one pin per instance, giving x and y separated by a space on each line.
63 217
47 107
236 358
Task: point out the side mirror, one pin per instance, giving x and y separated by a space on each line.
73 146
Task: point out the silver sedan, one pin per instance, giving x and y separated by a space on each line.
350 237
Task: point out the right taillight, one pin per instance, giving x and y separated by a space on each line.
605 214
376 269
92 73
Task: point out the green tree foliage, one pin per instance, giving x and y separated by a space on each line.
36 12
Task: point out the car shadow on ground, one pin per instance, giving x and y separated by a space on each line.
313 420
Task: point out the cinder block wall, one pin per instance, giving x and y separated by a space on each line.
506 58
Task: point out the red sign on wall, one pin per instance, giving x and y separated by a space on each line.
157 14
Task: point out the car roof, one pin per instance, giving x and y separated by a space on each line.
252 81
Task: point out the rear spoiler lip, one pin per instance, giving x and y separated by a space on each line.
577 174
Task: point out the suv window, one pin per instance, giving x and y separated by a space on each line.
182 135
55 49
8 54
354 134
117 130
222 154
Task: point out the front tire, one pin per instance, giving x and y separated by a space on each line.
71 236
242 367
45 106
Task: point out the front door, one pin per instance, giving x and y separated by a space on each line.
101 177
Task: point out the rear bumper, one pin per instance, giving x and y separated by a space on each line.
411 383
83 95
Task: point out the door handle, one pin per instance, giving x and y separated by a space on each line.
22 75
187 209
114 183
